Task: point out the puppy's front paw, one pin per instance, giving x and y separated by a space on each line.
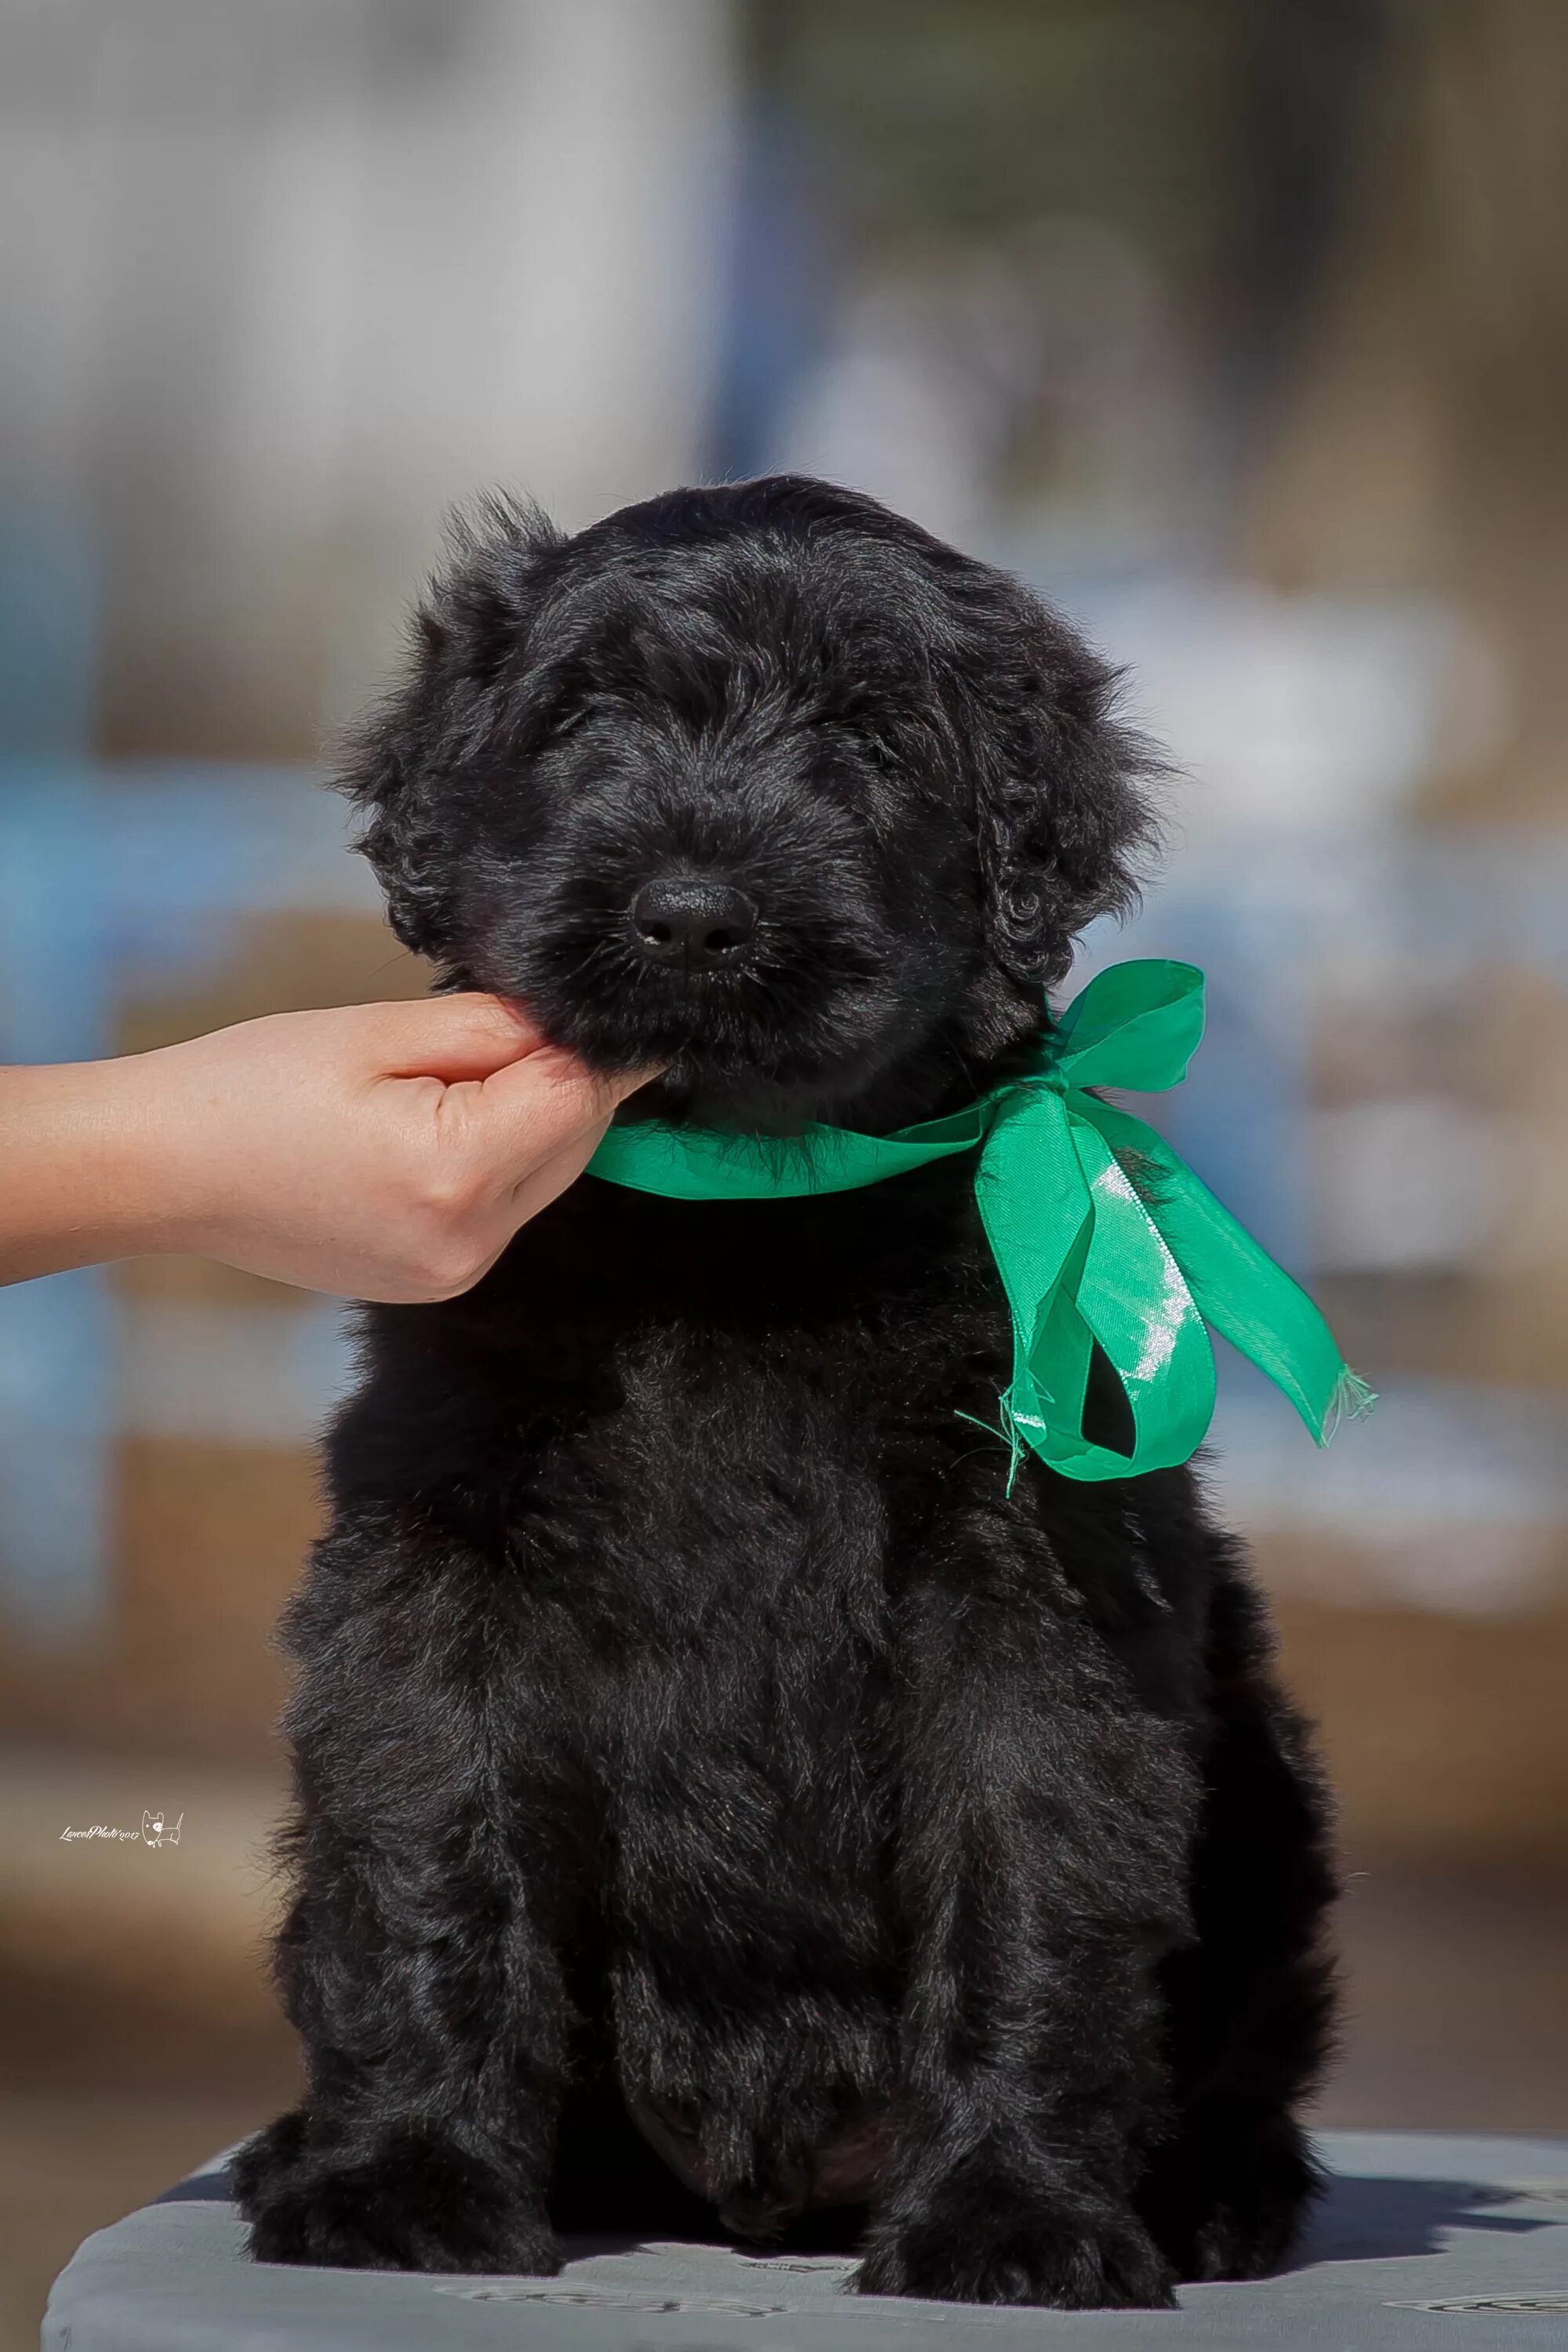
413 2203
1002 2251
1232 2209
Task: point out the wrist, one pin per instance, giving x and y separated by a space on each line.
144 1163
157 1133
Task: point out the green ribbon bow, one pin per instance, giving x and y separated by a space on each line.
1084 1253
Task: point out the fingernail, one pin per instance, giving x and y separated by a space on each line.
626 1082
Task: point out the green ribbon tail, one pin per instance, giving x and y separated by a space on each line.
1038 1215
1236 1286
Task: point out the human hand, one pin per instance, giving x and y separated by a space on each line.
382 1151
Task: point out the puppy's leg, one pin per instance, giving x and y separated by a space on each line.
1046 1834
418 1960
1251 2002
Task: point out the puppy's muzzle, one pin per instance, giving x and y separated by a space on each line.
698 921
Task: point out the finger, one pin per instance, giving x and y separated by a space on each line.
452 1037
548 1178
536 1106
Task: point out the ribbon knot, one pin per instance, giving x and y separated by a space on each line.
1102 1237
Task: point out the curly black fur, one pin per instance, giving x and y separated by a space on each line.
697 1748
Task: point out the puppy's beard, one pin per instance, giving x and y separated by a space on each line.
690 1092
768 1056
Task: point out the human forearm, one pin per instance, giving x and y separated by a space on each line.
78 1155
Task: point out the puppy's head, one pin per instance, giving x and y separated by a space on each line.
760 782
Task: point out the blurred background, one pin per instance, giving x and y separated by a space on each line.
1239 327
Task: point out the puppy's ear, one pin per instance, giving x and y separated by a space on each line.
456 698
379 767
1062 807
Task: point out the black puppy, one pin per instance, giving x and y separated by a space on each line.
699 1748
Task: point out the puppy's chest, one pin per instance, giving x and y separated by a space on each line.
868 1309
764 1467
742 1409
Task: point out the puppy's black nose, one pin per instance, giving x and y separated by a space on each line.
689 919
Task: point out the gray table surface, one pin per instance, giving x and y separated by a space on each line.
1422 2241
